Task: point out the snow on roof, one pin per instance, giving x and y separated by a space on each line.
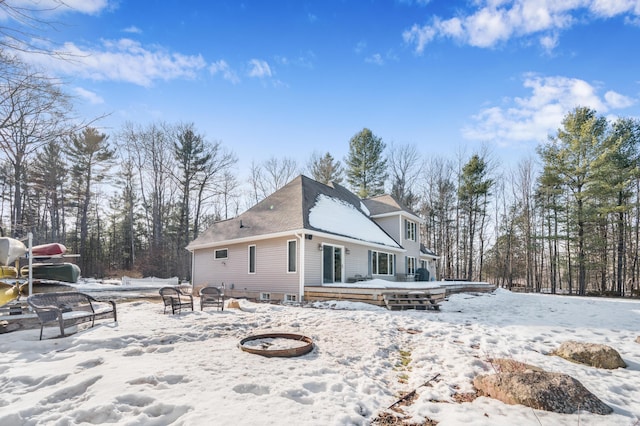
364 208
339 217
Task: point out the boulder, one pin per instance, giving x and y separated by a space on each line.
541 390
506 365
638 339
592 354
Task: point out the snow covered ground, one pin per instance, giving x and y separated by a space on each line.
156 369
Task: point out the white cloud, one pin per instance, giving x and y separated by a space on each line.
420 36
88 95
360 47
496 21
610 8
304 60
549 42
84 6
88 7
259 68
223 68
533 118
618 101
122 60
376 58
132 30
417 2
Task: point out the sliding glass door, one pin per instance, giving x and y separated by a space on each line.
331 264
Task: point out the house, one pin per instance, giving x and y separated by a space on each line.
310 234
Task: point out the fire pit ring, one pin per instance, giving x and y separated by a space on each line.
305 345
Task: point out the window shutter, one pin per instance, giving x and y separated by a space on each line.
369 263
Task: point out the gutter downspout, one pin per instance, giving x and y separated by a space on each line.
193 266
301 237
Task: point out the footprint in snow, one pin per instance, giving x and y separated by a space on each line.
90 364
251 388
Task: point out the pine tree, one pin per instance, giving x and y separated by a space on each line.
325 169
473 193
367 168
573 156
91 155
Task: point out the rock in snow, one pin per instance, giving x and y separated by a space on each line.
542 390
592 354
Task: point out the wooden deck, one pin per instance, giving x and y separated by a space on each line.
401 297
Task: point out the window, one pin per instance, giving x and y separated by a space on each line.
265 296
382 263
252 259
290 297
410 230
220 254
291 255
411 265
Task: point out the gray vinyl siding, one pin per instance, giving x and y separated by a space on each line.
356 262
390 225
271 267
313 262
395 226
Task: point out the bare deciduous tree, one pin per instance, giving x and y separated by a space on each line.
404 166
33 111
271 175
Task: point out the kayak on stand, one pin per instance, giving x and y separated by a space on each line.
66 272
8 272
48 250
10 250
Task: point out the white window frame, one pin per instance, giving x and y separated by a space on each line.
265 297
411 265
215 254
255 259
410 230
295 257
376 262
290 298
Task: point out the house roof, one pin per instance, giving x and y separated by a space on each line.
426 252
302 204
387 204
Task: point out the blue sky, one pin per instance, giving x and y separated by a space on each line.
287 78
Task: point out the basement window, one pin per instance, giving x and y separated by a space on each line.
290 297
265 297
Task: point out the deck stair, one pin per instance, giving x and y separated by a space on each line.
413 299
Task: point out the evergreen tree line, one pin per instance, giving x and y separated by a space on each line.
567 221
131 201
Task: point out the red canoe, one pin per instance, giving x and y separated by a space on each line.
51 249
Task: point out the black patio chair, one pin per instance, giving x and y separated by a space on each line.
173 297
211 296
